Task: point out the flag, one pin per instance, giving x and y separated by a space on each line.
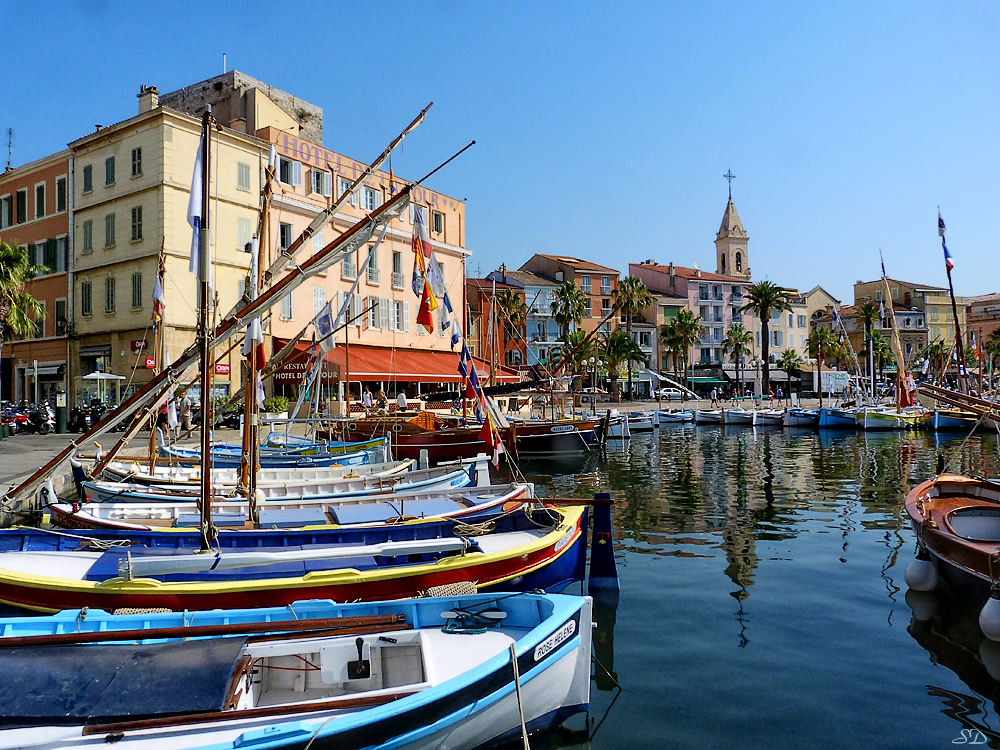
159 301
194 211
463 363
926 367
172 416
324 328
941 226
427 304
456 336
421 239
947 256
254 340
260 392
472 385
489 436
881 313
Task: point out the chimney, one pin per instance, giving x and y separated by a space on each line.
673 284
149 98
697 272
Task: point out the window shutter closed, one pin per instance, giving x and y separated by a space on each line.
340 305
383 312
296 174
406 316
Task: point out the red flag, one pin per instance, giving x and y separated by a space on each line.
424 315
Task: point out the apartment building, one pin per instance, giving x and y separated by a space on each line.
34 214
488 336
932 301
598 284
541 333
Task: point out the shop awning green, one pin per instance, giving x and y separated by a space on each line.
707 381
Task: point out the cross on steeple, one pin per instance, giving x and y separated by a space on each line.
730 176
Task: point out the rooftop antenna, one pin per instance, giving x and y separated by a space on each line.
223 62
10 147
730 176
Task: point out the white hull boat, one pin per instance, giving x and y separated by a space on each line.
738 416
708 416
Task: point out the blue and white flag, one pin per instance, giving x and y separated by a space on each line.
941 227
194 211
463 362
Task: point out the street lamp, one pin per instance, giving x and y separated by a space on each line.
593 396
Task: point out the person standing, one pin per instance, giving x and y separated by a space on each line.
401 401
715 397
184 412
366 399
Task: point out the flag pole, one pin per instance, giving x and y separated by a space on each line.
963 381
205 339
158 358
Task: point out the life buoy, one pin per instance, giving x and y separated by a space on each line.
352 426
397 427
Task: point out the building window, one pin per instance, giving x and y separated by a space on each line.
60 194
109 230
716 314
776 317
319 242
722 263
109 171
397 269
705 313
322 183
349 268
136 223
373 272
776 338
136 162
802 321
438 222
88 236
284 236
290 172
61 317
371 199
88 178
242 176
319 300
605 307
40 321
85 298
136 291
373 312
605 285
739 261
589 312
286 307
40 200
109 294
585 284
22 205
717 292
343 185
6 212
243 235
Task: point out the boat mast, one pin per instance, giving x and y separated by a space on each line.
158 346
204 337
963 378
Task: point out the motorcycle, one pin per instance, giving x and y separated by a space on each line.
41 419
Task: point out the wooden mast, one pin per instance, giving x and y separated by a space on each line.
205 339
963 378
158 347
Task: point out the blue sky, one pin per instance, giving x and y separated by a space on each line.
603 130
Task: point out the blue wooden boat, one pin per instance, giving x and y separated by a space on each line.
830 418
228 457
459 671
949 420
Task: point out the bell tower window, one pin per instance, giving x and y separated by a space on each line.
722 263
739 261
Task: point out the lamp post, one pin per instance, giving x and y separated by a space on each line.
593 397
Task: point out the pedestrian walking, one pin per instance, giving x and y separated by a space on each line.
715 397
184 412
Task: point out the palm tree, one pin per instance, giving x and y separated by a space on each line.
631 298
512 312
617 349
789 362
568 307
736 344
687 332
18 309
822 345
578 349
867 313
937 352
881 352
670 343
765 298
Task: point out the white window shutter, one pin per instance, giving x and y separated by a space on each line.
406 316
340 305
297 174
327 185
383 311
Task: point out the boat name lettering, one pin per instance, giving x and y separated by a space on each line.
551 643
562 428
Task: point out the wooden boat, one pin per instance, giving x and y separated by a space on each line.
874 419
422 480
949 420
228 458
830 418
768 417
738 416
957 523
432 672
640 422
282 441
368 509
801 418
47 572
708 416
189 475
548 438
615 426
675 417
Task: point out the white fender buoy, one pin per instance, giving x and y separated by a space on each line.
920 574
989 617
923 604
989 652
47 494
259 495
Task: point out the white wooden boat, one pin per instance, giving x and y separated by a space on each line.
426 673
768 417
640 422
738 416
801 418
708 416
680 416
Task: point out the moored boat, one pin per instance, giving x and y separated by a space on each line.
640 422
738 416
949 420
433 672
546 438
673 417
801 417
832 418
708 416
768 417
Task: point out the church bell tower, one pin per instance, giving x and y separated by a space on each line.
731 242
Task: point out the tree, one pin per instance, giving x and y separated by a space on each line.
822 345
578 349
631 298
18 309
881 353
736 345
867 314
686 333
618 349
568 307
512 312
764 299
670 343
790 361
937 352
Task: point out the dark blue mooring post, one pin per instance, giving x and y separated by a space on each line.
603 568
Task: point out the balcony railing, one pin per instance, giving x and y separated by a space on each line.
397 280
606 289
541 311
585 288
373 275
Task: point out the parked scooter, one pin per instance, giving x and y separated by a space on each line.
41 418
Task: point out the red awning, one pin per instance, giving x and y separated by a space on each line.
406 365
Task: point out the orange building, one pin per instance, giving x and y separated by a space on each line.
598 283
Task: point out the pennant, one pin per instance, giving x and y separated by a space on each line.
926 367
260 392
427 305
194 211
172 421
324 328
456 336
463 363
949 263
472 385
489 436
941 226
254 341
159 301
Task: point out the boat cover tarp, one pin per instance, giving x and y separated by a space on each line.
75 683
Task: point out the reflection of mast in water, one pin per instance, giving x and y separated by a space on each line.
605 612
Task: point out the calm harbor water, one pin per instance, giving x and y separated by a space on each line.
763 602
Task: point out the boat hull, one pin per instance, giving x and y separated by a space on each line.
837 419
552 438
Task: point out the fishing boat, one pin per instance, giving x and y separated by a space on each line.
708 416
768 417
795 417
615 426
44 571
950 420
874 419
738 416
831 418
189 474
228 457
957 523
282 441
457 671
235 513
640 422
551 437
680 416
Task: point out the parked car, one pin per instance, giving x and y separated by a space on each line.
597 394
669 394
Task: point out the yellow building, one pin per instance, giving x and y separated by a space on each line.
934 302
